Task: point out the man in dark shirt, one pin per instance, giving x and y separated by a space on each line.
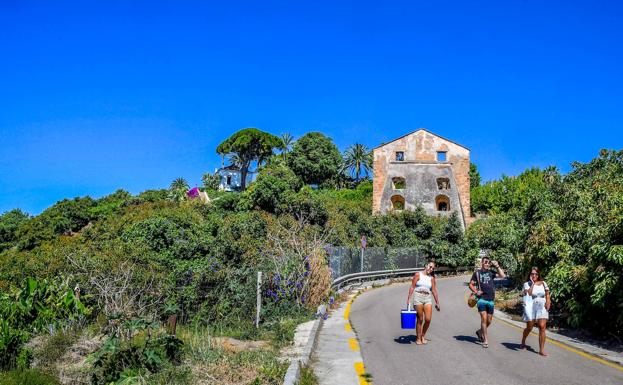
482 285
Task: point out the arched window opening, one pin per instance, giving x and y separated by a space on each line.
443 183
442 203
398 202
399 183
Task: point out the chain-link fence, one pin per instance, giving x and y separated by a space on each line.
349 260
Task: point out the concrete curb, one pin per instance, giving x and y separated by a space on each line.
294 370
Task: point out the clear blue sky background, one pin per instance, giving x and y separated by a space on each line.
95 97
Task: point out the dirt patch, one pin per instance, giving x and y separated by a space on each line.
73 367
235 346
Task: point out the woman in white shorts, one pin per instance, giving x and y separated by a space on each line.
423 286
536 308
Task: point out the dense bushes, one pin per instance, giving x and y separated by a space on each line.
35 307
571 227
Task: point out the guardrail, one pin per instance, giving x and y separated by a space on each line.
367 275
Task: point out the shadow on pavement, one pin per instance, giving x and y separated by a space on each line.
467 339
405 339
514 346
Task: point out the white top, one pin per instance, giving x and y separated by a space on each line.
425 283
537 292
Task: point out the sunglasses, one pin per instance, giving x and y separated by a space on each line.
534 273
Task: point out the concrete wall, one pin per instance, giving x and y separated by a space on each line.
421 169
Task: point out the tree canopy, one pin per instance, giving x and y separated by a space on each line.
249 144
315 158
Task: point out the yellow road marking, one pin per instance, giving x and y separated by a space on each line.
347 327
353 344
361 370
347 311
569 348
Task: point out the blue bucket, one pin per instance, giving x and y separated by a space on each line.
407 318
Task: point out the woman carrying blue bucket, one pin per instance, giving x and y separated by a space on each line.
425 288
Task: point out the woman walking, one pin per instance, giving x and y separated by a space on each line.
536 308
423 284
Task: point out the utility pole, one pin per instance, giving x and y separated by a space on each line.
259 299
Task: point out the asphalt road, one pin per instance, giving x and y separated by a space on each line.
453 355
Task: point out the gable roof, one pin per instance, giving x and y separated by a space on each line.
421 129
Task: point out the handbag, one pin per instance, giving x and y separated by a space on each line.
473 298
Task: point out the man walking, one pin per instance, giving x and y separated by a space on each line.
482 285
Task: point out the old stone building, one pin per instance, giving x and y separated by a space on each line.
422 168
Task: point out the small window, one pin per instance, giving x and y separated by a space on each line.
443 183
229 180
398 202
399 183
443 203
441 156
400 156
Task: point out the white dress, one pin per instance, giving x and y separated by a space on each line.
534 306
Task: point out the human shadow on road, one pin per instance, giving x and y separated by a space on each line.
406 339
514 346
467 339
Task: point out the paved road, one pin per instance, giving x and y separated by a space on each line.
453 355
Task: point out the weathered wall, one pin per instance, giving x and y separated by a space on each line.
421 170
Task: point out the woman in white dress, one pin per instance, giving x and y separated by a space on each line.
536 308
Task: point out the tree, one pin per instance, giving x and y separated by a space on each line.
275 183
249 144
9 223
474 176
178 189
358 158
287 141
315 158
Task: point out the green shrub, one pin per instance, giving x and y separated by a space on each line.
11 341
119 360
26 377
9 224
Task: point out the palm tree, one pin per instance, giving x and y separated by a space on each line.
358 159
178 189
287 141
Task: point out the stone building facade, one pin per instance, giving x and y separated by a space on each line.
422 168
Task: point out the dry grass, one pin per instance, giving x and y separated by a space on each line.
212 363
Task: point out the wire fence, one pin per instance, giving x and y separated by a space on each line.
350 260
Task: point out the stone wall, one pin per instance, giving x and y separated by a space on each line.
421 169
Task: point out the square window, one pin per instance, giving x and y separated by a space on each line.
441 156
400 156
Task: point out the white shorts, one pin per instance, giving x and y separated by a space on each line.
535 310
422 299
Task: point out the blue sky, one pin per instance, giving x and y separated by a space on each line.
96 97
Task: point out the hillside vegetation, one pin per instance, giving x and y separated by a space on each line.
146 285
119 273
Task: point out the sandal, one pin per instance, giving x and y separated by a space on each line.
485 345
